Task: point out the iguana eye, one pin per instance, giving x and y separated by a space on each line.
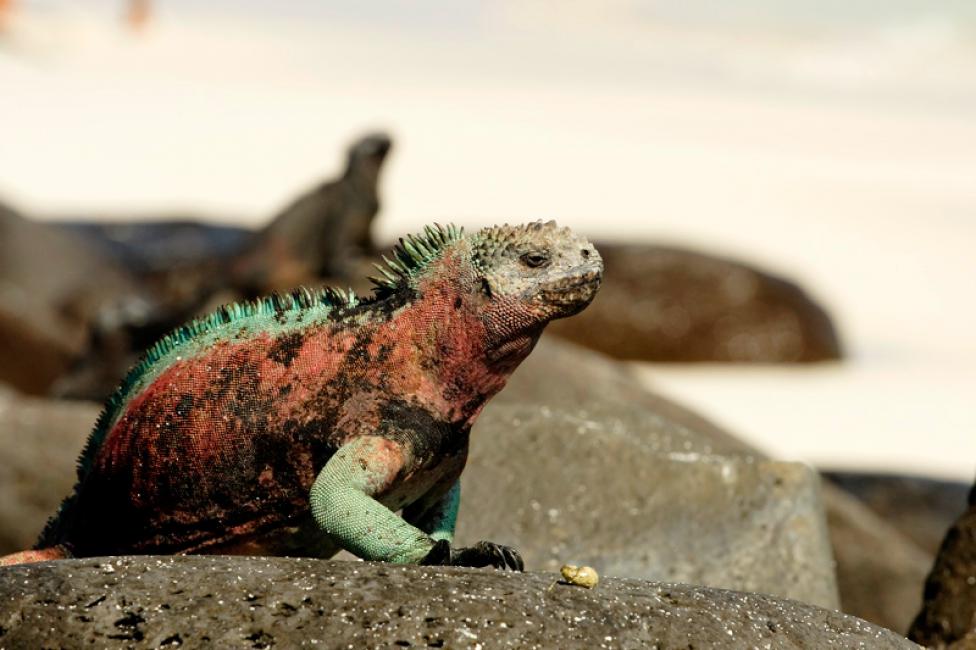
535 259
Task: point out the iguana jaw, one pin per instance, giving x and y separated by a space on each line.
570 293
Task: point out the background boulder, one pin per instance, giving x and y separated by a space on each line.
659 303
54 291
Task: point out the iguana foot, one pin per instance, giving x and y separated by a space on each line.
480 555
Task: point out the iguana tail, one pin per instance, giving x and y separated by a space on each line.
36 555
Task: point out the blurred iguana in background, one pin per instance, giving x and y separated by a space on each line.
323 231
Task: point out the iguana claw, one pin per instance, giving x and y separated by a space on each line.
480 555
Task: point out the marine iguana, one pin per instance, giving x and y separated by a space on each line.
322 231
301 423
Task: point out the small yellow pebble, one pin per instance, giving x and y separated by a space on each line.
583 576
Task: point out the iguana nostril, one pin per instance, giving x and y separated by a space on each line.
585 252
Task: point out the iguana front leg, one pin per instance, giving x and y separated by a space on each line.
437 518
344 507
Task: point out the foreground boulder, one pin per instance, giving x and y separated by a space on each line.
669 304
682 517
153 602
879 570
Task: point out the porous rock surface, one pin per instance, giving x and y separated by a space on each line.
223 602
659 303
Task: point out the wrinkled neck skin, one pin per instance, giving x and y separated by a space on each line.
476 341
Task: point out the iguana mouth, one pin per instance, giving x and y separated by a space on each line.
573 290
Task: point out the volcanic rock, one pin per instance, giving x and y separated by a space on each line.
153 602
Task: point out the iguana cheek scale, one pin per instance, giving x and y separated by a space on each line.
299 424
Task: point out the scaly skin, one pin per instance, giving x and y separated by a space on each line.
302 425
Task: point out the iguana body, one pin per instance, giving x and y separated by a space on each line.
301 424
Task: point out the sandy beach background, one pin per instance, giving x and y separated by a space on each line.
831 143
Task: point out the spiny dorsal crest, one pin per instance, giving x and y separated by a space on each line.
411 254
275 304
505 241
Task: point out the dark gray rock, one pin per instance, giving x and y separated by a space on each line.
223 602
886 530
669 304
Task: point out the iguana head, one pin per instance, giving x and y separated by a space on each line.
538 270
467 298
513 279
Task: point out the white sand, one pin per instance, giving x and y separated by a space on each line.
840 153
915 418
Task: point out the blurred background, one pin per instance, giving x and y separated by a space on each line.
826 142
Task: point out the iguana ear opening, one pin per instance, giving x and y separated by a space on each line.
486 287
